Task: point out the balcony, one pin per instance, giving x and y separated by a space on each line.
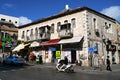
65 31
44 33
45 36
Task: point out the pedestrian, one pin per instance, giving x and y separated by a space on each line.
108 68
40 59
66 60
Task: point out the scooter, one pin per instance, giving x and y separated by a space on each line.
64 68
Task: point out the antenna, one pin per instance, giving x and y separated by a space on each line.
67 7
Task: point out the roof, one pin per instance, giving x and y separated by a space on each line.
66 13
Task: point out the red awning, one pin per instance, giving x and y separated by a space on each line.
50 42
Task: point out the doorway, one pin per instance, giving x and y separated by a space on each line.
73 56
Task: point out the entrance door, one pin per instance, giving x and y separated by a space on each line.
73 56
53 56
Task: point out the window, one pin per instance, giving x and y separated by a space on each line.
7 35
52 28
110 28
9 20
15 21
106 26
2 19
73 23
36 33
28 35
66 21
58 26
23 34
31 34
95 23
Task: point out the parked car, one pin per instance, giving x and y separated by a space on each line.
13 60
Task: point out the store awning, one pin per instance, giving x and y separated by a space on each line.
20 46
71 40
35 44
50 42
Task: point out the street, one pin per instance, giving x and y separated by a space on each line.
39 72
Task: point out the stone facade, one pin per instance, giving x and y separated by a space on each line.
94 28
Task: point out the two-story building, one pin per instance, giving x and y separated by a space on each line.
80 34
8 33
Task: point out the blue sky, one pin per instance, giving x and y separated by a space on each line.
31 10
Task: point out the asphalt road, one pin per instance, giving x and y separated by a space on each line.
48 73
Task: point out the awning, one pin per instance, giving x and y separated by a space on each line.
19 47
34 44
71 40
50 42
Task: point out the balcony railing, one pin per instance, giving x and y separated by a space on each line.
45 35
66 33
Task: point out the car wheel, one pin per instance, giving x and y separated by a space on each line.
12 63
3 63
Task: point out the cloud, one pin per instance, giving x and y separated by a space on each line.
24 20
7 5
113 11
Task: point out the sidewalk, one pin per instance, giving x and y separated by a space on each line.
115 67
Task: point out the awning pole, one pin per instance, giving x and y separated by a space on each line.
61 48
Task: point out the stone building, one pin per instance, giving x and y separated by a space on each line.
8 33
79 34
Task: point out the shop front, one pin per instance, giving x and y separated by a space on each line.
70 48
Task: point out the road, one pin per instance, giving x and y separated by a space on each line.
49 73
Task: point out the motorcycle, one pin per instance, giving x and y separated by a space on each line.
61 67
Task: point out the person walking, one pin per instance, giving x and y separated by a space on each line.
40 59
108 68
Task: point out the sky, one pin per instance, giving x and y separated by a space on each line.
31 10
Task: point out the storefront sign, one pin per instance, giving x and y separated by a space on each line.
93 49
58 55
52 49
90 49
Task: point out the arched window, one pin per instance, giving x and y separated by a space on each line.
73 23
36 33
31 34
66 21
23 35
52 28
58 26
95 23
